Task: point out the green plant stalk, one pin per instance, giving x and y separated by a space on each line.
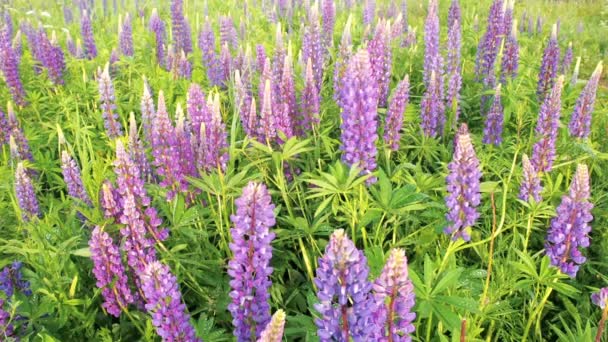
429 326
538 311
491 256
601 325
528 231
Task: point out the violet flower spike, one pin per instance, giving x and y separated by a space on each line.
137 151
267 127
394 116
274 330
580 123
147 110
569 232
344 293
328 13
10 68
432 109
488 47
567 60
126 37
453 69
310 102
463 183
600 298
249 269
344 54
547 126
510 57
530 185
107 101
549 66
26 196
454 14
492 132
312 46
287 101
73 179
369 12
433 61
381 60
87 35
110 202
157 26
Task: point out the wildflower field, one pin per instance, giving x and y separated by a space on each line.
299 170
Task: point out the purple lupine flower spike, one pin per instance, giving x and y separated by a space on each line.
344 293
287 101
567 60
549 65
10 68
243 100
157 25
5 130
489 44
225 64
253 120
530 185
454 13
249 268
274 330
228 35
11 280
492 131
206 42
73 179
15 132
260 57
279 59
577 66
26 196
580 123
137 151
432 57
17 45
107 101
539 24
547 126
164 303
507 17
380 59
312 46
126 36
394 295
309 111
432 110
341 63
600 298
570 229
147 110
463 187
216 136
109 272
328 13
183 135
453 69
183 68
394 116
369 12
109 200
267 127
180 27
510 57
55 62
87 35
359 115
198 113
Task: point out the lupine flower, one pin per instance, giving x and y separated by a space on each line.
600 298
397 29
196 107
492 131
549 65
580 123
279 60
10 68
110 202
432 57
183 136
410 38
11 280
267 127
206 42
543 153
570 229
249 268
432 109
454 14
274 330
260 56
574 78
5 130
126 37
507 17
344 54
530 185
109 272
489 44
359 115
225 64
164 303
137 151
183 67
394 296
286 104
228 33
394 116
243 100
15 132
345 304
6 329
567 60
380 58
164 150
70 44
539 24
328 13
510 56
252 120
310 102
147 110
530 26
79 50
107 101
87 35
312 46
157 25
369 12
72 178
17 45
26 196
180 27
453 68
211 152
463 187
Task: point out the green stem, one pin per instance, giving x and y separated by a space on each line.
538 311
528 231
429 326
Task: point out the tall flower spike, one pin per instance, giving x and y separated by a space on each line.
359 115
10 68
15 132
394 116
345 51
87 35
510 56
312 46
454 13
344 293
432 57
329 19
26 196
109 272
267 127
249 268
107 101
380 58
126 37
310 106
547 126
206 42
492 131
600 298
453 69
147 110
137 151
394 295
580 123
274 330
369 12
574 78
530 185
228 33
164 303
432 109
463 187
180 27
567 60
157 25
487 50
549 65
11 280
72 178
569 231
109 200
287 100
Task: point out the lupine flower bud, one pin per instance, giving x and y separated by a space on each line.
454 14
432 109
10 68
274 330
312 46
530 185
359 115
492 131
107 101
72 178
543 153
267 127
394 295
433 61
345 304
577 66
287 101
549 65
126 37
164 303
309 111
22 150
380 60
600 298
225 64
567 60
510 57
109 272
570 228
87 35
328 13
394 116
580 123
249 268
463 187
157 25
26 196
109 200
453 67
228 35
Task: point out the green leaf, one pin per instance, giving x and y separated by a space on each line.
83 252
